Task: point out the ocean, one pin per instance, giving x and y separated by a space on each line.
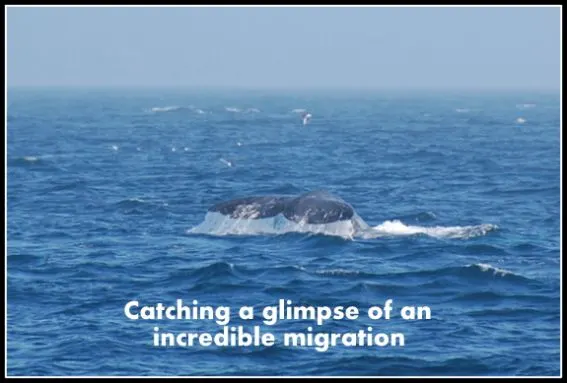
108 192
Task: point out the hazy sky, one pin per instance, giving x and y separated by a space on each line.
286 47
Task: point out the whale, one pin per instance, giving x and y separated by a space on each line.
316 207
315 212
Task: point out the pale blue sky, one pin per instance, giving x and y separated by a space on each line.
285 47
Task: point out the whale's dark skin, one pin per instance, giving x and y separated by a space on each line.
317 207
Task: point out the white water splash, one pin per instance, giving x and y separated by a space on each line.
218 224
398 228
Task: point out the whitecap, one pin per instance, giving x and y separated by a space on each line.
158 109
227 163
485 267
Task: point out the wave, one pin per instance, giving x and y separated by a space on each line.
386 365
483 271
485 267
471 272
483 248
176 108
30 159
165 108
507 313
24 161
42 163
494 297
131 202
79 184
221 270
219 225
339 272
525 106
138 206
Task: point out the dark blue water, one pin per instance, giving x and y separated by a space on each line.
105 185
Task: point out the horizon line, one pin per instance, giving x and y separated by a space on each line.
281 87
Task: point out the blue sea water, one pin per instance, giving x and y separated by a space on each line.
106 187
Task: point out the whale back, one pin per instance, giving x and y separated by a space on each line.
252 207
318 207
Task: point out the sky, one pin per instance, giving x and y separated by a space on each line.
374 47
